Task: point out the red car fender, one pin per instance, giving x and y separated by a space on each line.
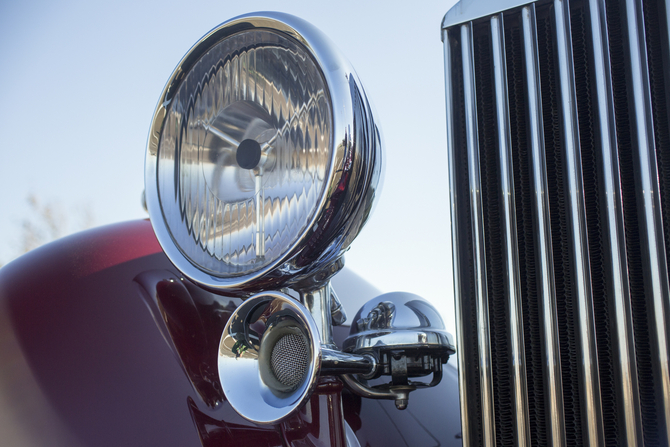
99 348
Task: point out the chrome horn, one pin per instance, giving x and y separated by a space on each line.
271 357
272 352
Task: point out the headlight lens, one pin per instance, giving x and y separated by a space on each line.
263 159
245 153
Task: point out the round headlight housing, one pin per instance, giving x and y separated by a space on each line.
263 158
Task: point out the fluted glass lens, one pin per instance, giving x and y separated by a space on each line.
245 153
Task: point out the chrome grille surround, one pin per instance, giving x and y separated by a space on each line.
558 177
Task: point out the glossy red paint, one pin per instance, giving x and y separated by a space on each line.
321 420
103 343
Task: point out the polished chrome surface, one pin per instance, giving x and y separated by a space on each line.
405 336
627 253
581 271
479 254
247 342
395 321
508 231
271 355
334 362
542 229
350 182
614 228
468 10
401 396
649 206
453 210
318 303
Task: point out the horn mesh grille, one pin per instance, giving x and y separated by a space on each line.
290 359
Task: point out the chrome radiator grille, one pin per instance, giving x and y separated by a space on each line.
559 163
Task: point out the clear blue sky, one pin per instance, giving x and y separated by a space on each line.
79 81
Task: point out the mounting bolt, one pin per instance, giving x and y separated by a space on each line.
401 404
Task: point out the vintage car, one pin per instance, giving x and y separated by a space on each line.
221 320
559 154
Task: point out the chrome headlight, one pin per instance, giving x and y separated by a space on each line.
263 158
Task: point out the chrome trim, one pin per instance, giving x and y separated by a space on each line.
395 321
619 376
624 340
509 240
552 360
463 366
468 10
479 254
649 205
318 303
391 329
589 379
354 172
401 396
334 362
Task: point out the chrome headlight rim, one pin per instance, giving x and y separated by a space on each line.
348 168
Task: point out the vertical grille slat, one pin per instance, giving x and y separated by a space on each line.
557 216
559 162
589 382
657 51
592 201
509 231
649 213
627 429
658 55
452 164
478 246
461 230
542 230
619 60
528 273
498 311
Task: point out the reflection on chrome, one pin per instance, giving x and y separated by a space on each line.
259 380
405 335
